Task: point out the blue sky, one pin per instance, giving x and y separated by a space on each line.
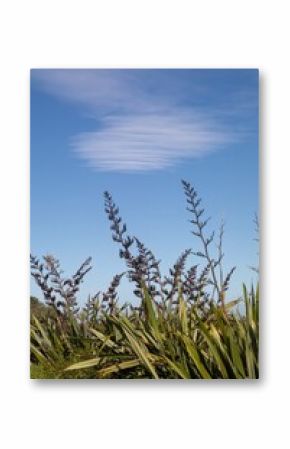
137 133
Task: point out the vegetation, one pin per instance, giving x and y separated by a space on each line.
182 328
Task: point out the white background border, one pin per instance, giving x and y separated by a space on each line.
162 414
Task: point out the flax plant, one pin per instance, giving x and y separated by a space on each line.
178 330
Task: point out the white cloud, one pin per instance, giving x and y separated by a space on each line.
148 142
100 91
143 127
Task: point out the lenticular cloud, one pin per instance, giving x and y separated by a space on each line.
140 127
148 142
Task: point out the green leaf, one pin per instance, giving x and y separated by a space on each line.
193 353
141 352
116 367
106 340
85 364
214 351
149 311
183 315
176 368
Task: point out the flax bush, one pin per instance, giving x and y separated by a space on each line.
183 326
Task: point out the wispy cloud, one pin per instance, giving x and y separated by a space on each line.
144 125
148 142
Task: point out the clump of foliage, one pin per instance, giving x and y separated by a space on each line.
39 310
182 327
